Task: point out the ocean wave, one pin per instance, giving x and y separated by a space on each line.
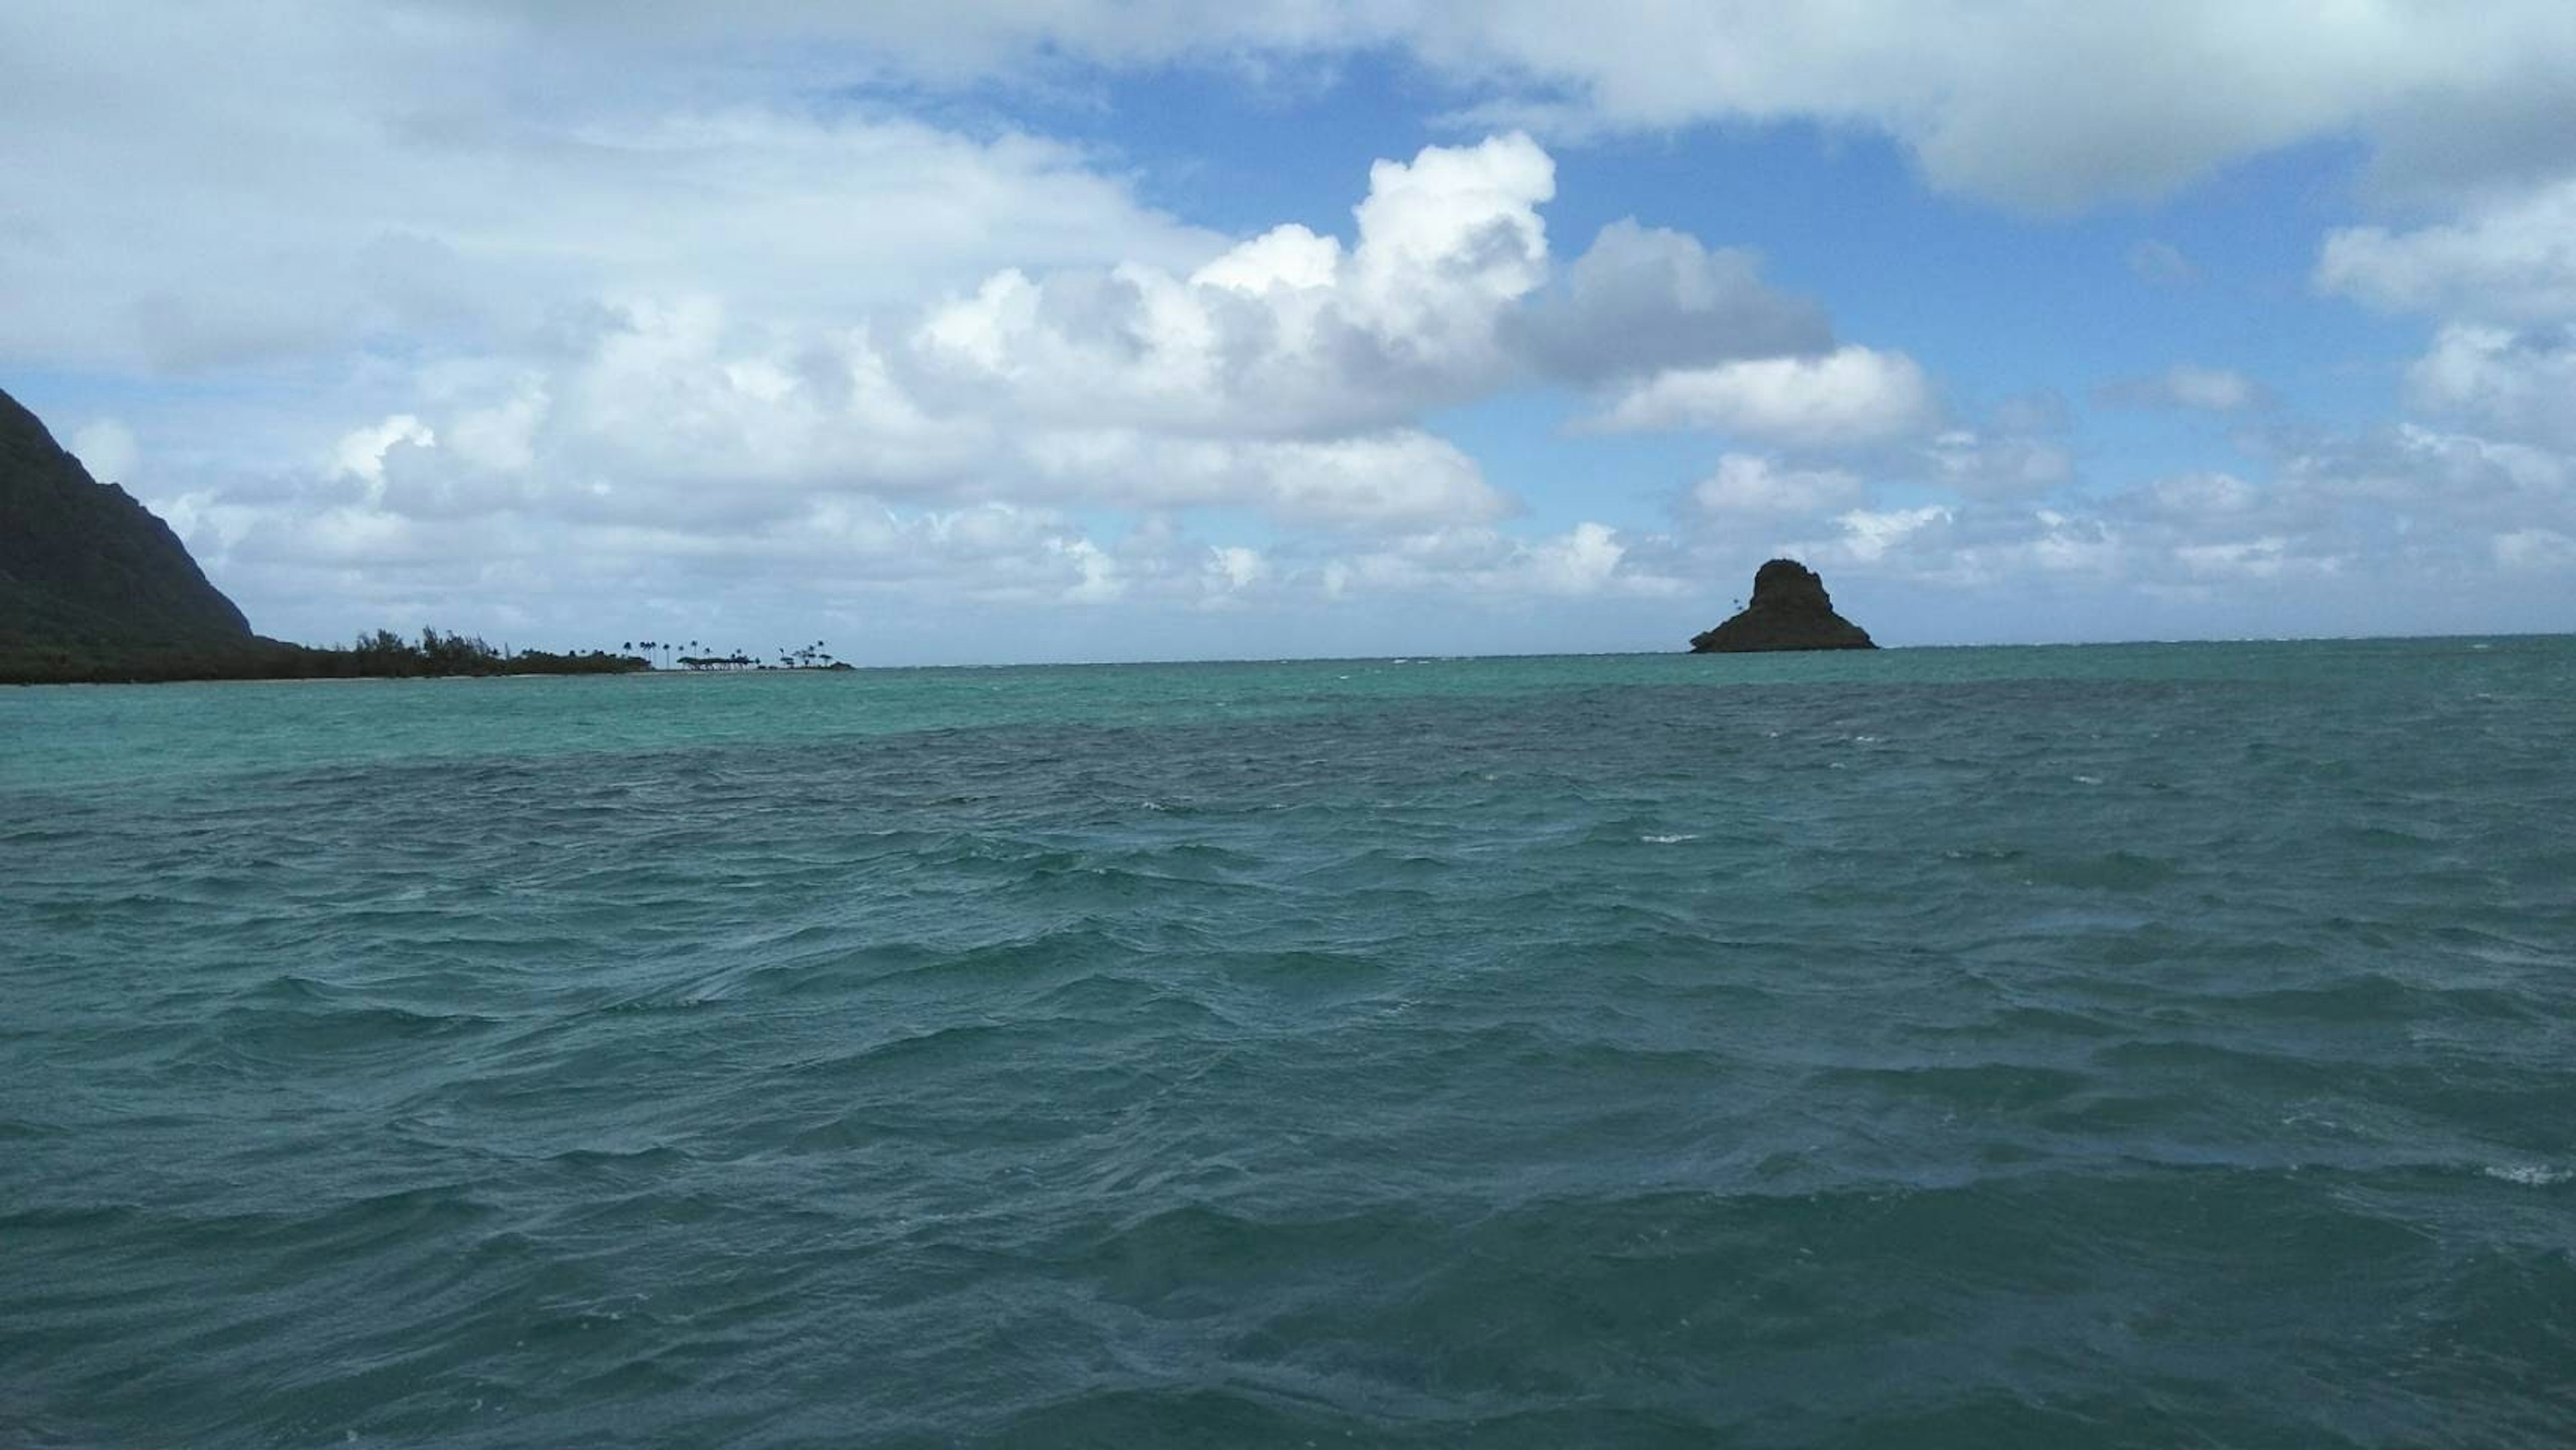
1535 1052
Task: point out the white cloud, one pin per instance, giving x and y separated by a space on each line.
1751 484
1233 568
1097 580
2041 106
2535 549
361 452
1849 398
1284 334
368 175
1998 465
1391 480
1646 298
1975 547
1581 561
1456 220
2268 557
2404 511
2050 107
690 444
2511 260
648 301
2501 283
1868 535
2520 385
107 449
2195 496
1586 560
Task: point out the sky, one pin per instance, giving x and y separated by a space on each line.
1038 330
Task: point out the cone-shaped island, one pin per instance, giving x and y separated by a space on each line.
1790 610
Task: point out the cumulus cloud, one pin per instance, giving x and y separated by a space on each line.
2351 518
1587 559
1757 485
2189 497
1379 481
1849 398
1868 535
1287 333
2511 260
1643 299
1985 547
2462 481
2019 451
2268 557
695 443
654 301
2535 549
106 448
361 452
2500 283
2521 385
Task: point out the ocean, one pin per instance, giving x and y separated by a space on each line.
2146 1045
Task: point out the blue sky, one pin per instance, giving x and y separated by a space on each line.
1063 330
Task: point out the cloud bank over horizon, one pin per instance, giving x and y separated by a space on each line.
915 329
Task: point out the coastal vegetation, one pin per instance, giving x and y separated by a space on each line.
381 655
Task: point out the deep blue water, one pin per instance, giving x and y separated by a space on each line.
2118 1046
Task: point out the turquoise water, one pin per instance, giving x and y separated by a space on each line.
2140 1045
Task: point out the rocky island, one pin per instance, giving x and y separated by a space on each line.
1790 610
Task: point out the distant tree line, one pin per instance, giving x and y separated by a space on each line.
385 654
804 657
380 655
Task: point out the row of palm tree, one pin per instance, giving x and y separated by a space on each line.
805 657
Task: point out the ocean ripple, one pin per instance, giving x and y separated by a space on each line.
2131 1046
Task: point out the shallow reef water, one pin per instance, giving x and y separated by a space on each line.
2116 1046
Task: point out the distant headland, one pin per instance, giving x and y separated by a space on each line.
1790 610
94 588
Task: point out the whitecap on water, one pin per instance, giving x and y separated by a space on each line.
1666 840
2529 1175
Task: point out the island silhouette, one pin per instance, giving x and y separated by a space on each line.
1790 610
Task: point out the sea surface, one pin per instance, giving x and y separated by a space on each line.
2158 1045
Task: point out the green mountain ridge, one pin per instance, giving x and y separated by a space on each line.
96 589
87 572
